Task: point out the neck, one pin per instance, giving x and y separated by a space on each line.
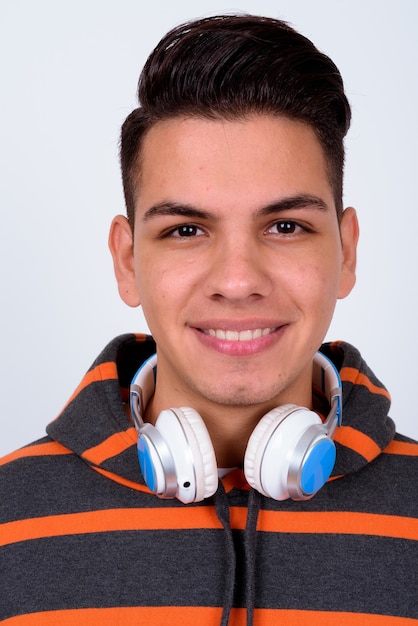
229 429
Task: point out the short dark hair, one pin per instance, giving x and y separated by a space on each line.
229 67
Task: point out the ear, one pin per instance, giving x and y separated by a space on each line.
121 247
349 230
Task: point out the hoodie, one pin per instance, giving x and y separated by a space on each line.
82 539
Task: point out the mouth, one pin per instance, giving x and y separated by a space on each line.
241 335
240 339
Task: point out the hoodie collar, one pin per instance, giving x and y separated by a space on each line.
95 426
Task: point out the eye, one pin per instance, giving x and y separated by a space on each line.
186 230
285 227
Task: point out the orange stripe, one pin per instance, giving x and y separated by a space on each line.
113 445
126 616
42 449
402 447
352 375
326 618
238 517
357 441
107 521
140 337
235 480
205 517
204 616
132 484
337 522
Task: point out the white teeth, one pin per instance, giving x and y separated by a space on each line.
235 335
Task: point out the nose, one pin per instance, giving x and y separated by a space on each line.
238 271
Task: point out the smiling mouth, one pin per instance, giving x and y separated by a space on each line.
235 335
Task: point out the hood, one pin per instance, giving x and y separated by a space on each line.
366 428
95 426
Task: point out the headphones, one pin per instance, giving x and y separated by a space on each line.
290 453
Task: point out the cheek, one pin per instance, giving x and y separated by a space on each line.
307 276
315 283
164 286
153 285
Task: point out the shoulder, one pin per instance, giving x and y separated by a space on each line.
388 485
403 446
30 477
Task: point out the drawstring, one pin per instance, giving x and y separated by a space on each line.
250 536
250 541
222 510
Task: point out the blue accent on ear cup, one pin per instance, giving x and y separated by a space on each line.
317 466
147 466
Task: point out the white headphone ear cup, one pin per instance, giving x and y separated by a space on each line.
205 459
191 448
274 447
257 442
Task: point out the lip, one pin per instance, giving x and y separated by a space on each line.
236 347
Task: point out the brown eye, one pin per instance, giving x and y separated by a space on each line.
186 230
286 228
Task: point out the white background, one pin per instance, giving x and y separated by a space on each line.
68 79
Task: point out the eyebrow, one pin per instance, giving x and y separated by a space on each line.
174 208
303 201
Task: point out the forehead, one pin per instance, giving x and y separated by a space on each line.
206 161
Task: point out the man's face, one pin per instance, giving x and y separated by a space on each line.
238 259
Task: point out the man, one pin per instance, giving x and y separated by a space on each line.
237 247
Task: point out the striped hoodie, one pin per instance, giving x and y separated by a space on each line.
83 542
